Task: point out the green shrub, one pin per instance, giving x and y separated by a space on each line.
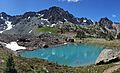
80 35
48 29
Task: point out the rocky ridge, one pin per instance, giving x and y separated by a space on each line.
29 21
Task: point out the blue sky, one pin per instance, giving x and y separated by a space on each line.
93 9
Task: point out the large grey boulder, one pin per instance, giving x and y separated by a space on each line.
106 56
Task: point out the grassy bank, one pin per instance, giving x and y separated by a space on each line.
42 66
48 29
3 60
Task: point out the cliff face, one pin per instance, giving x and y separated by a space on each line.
117 28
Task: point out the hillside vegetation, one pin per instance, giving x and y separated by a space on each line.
48 29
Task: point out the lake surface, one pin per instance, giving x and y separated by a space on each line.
69 54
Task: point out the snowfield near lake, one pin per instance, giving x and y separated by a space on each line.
14 46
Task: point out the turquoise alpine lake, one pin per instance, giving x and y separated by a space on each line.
70 54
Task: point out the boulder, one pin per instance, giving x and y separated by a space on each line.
45 46
107 56
23 40
118 52
69 40
1 61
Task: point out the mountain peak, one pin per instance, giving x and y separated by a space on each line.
55 14
27 14
105 20
3 13
55 7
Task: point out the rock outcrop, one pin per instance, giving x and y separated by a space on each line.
107 56
43 41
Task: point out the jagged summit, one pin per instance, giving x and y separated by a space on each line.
52 15
105 20
5 22
29 14
85 21
4 16
55 14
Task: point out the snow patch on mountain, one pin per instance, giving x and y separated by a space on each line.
29 17
9 25
41 15
44 19
52 25
42 23
65 20
84 21
1 17
30 31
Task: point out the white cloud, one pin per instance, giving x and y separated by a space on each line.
70 0
114 16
